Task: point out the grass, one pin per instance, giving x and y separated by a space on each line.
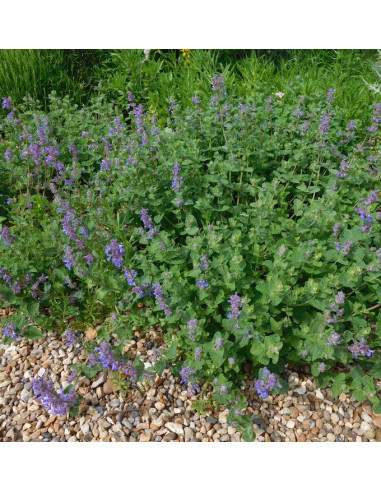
36 73
166 75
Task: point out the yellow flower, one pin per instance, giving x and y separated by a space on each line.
186 53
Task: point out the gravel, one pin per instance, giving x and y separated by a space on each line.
162 410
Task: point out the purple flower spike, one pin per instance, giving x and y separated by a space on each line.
6 235
322 367
69 259
236 305
9 330
197 354
219 343
339 298
56 403
202 284
204 262
185 374
333 339
114 252
72 337
191 326
105 356
7 103
361 348
72 376
265 384
330 94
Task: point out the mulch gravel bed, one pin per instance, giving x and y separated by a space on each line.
163 410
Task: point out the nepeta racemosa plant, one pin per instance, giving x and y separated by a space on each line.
249 230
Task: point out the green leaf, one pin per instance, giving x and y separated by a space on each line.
138 364
249 435
283 389
376 370
377 407
172 352
160 366
359 395
32 333
339 385
74 410
89 372
217 356
356 374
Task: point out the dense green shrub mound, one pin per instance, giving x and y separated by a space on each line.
248 229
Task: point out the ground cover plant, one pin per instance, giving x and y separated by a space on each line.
248 229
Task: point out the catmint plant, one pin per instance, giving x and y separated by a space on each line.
247 228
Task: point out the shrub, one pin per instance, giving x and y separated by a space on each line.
248 230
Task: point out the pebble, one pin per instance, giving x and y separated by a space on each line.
294 412
108 387
102 378
365 426
302 390
25 395
367 418
163 411
176 428
171 436
85 428
260 422
326 415
188 433
370 434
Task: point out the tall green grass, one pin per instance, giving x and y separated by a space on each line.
36 73
165 75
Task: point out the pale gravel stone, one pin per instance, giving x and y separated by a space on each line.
365 426
25 395
367 418
302 390
176 428
102 378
